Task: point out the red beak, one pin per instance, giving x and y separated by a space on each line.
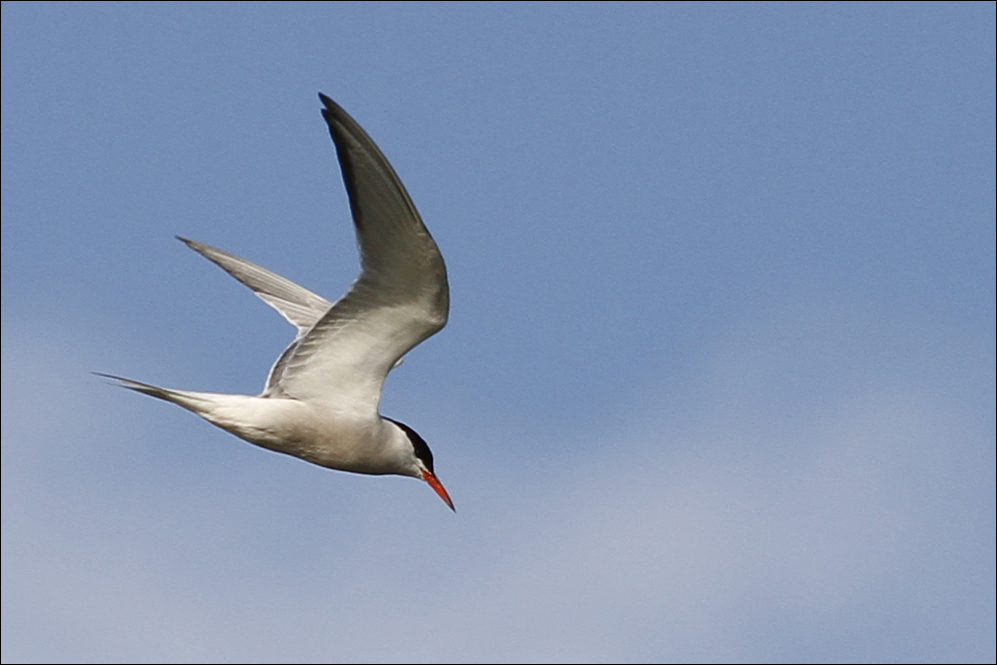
438 487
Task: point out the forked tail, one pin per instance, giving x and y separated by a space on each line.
194 401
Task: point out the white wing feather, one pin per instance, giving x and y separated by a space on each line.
400 298
295 303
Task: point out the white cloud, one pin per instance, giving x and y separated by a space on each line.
754 526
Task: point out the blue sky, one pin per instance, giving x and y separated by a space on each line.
719 377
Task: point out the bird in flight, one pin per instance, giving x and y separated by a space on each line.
321 398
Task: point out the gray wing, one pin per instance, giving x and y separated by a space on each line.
400 298
295 303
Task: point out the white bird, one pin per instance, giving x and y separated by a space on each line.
321 397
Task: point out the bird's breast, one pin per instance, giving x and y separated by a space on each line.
321 435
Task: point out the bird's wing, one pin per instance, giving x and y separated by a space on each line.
400 298
295 303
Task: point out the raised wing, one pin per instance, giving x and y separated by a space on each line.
295 303
400 298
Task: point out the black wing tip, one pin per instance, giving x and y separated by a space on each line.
198 247
341 124
332 109
107 376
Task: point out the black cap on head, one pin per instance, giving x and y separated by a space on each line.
422 450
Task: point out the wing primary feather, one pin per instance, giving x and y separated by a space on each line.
400 298
294 302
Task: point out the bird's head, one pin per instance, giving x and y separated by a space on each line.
424 462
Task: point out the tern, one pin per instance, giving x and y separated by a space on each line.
321 398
